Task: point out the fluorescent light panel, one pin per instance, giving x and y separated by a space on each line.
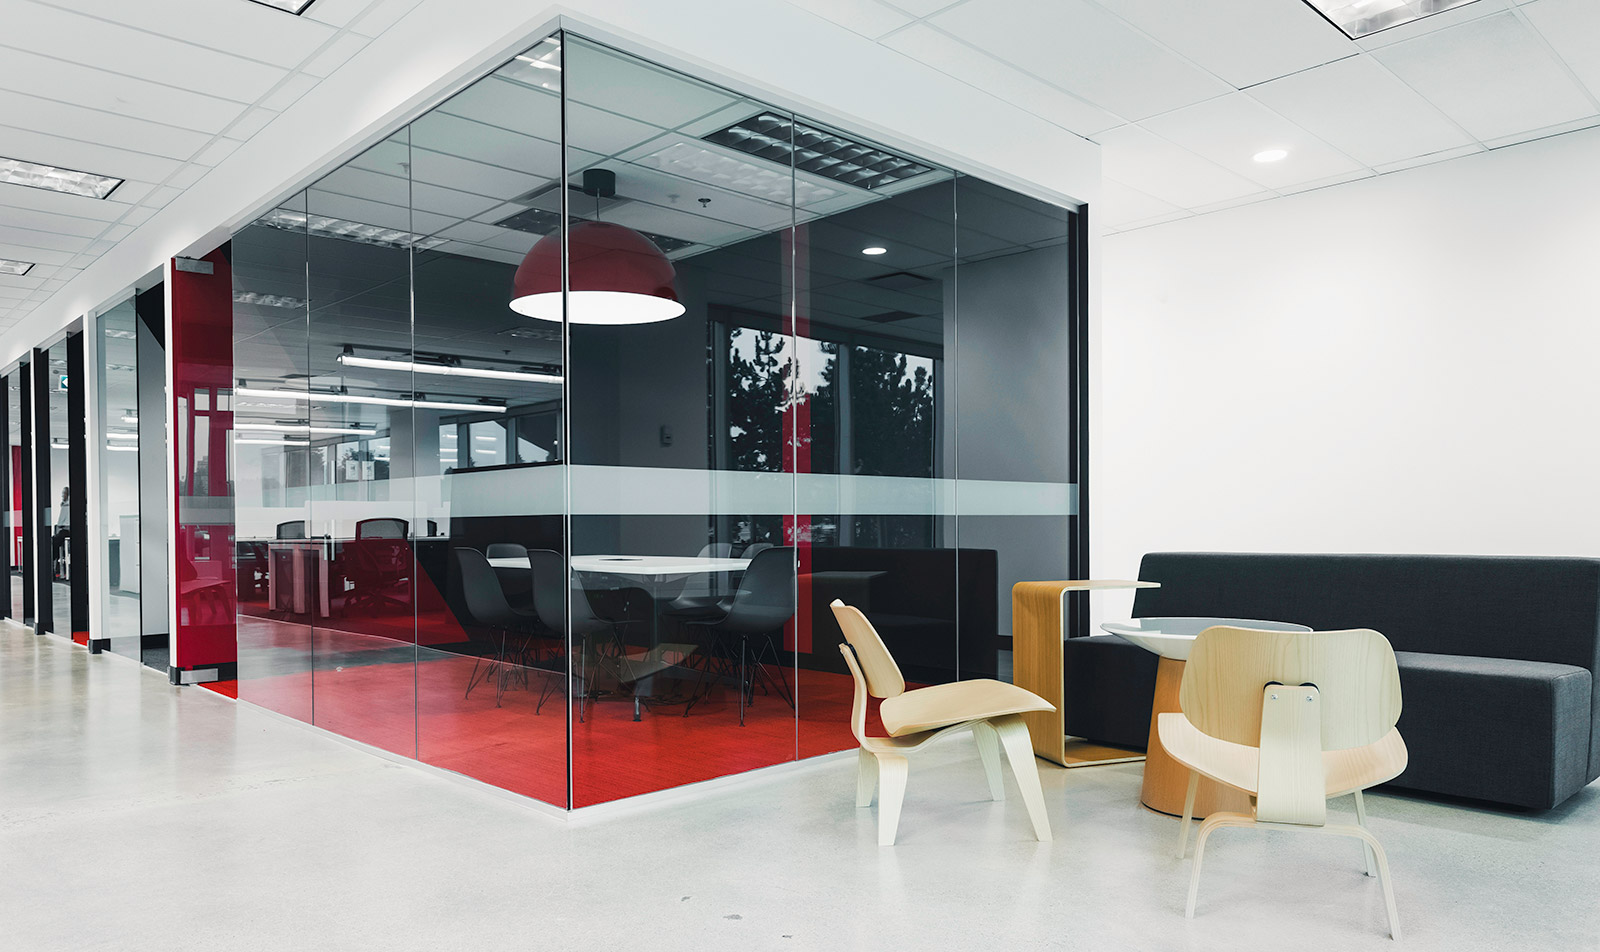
53 179
373 401
374 363
267 300
7 266
302 428
777 138
1358 18
321 226
295 7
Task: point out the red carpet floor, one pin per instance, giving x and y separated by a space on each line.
367 687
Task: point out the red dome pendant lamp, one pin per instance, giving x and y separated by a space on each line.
616 275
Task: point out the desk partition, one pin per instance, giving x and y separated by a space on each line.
815 345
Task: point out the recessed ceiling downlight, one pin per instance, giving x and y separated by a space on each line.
1271 155
875 250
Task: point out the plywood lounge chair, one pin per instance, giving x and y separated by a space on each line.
1292 719
991 710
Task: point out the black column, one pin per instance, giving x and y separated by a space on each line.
43 587
25 441
78 479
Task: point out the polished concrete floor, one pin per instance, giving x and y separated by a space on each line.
135 815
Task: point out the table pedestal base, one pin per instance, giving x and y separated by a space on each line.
1166 782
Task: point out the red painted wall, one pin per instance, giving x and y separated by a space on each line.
200 342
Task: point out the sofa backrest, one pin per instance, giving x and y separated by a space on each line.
1529 609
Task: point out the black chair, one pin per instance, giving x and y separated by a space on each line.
554 602
759 610
487 607
518 585
378 562
708 598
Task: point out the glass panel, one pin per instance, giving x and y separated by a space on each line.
874 281
491 673
1015 388
14 480
281 567
58 522
118 442
364 637
677 434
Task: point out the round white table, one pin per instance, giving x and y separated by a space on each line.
1166 782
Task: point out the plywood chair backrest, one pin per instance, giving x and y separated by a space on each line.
1357 680
877 665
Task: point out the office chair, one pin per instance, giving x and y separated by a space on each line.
762 606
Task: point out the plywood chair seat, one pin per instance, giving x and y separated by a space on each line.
991 710
1292 719
1239 765
946 705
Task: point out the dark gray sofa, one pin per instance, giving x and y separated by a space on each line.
1498 657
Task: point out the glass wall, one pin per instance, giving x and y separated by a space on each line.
15 474
57 520
117 393
563 508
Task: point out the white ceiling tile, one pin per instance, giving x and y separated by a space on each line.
626 86
951 56
26 72
1572 27
1243 41
1524 88
138 216
31 238
47 221
1230 130
469 176
867 17
85 39
39 256
121 132
1121 205
361 183
118 232
218 150
382 15
922 8
607 133
454 203
1362 109
297 85
1355 176
489 144
336 54
1076 46
252 31
84 156
77 206
1175 175
1545 133
504 104
1428 159
335 13
251 123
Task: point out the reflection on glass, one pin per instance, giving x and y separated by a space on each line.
118 441
14 478
58 523
486 538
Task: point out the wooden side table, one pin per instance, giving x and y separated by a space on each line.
1037 610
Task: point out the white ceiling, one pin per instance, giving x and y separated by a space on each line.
1182 94
1179 95
157 93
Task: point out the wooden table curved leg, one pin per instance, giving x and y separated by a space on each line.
1166 781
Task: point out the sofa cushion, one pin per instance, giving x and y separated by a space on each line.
1494 729
1108 687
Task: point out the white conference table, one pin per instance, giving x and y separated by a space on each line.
655 570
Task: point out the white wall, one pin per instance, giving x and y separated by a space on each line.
1403 364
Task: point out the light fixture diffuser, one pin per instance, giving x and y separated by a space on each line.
7 266
322 397
295 7
1358 18
53 179
778 138
321 226
446 370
